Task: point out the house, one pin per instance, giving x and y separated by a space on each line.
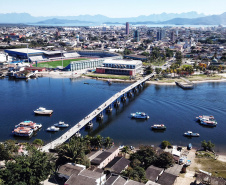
151 183
131 182
117 165
87 177
116 180
167 179
203 178
67 170
105 157
153 173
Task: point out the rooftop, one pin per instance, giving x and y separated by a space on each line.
24 50
122 62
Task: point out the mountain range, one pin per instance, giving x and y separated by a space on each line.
163 18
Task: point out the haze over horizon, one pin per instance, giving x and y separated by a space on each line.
116 9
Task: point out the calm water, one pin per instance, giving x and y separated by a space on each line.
72 100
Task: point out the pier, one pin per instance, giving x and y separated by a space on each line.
97 113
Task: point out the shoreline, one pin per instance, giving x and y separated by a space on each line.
79 74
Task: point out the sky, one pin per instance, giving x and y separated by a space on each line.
110 8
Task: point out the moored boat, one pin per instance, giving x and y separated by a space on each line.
23 131
61 124
30 124
210 123
191 134
158 127
52 129
43 111
109 82
205 117
139 115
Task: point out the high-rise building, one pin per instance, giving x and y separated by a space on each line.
136 36
127 28
172 38
159 35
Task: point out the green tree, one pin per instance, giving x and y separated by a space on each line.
210 146
164 160
30 169
137 174
204 145
38 142
146 155
165 144
158 70
125 150
8 149
108 142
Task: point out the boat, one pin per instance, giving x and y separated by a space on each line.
77 134
43 111
191 134
61 124
30 124
205 117
109 82
139 115
210 123
158 127
52 129
86 83
23 131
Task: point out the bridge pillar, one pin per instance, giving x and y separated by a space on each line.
129 94
123 98
89 125
116 103
109 109
135 90
100 116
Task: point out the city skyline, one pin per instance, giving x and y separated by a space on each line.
126 8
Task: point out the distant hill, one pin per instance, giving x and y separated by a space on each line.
60 21
27 18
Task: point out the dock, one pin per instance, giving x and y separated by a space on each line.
98 111
186 84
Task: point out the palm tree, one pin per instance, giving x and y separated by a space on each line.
125 150
108 142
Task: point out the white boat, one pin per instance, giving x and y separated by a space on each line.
210 123
191 134
205 117
158 127
61 124
43 111
52 129
139 115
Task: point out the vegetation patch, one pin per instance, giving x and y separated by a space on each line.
121 77
54 64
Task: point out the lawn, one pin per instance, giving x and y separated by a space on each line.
121 77
54 64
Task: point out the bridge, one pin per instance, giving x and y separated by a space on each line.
98 113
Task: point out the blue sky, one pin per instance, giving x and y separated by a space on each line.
110 8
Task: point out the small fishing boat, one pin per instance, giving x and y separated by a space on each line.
30 124
52 129
158 127
191 134
205 117
43 111
61 124
139 115
210 123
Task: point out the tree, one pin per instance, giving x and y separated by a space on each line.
8 149
165 144
38 142
146 155
137 174
30 169
210 146
108 142
204 145
158 70
135 163
125 150
164 160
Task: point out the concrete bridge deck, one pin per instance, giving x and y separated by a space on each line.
92 115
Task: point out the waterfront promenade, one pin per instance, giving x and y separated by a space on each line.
92 115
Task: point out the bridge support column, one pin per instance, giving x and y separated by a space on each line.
123 98
100 116
109 109
129 94
89 125
135 90
116 103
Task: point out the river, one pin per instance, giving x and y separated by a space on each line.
72 100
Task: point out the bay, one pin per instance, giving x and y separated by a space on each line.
72 100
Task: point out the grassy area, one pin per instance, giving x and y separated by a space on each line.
217 168
54 64
121 77
157 63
